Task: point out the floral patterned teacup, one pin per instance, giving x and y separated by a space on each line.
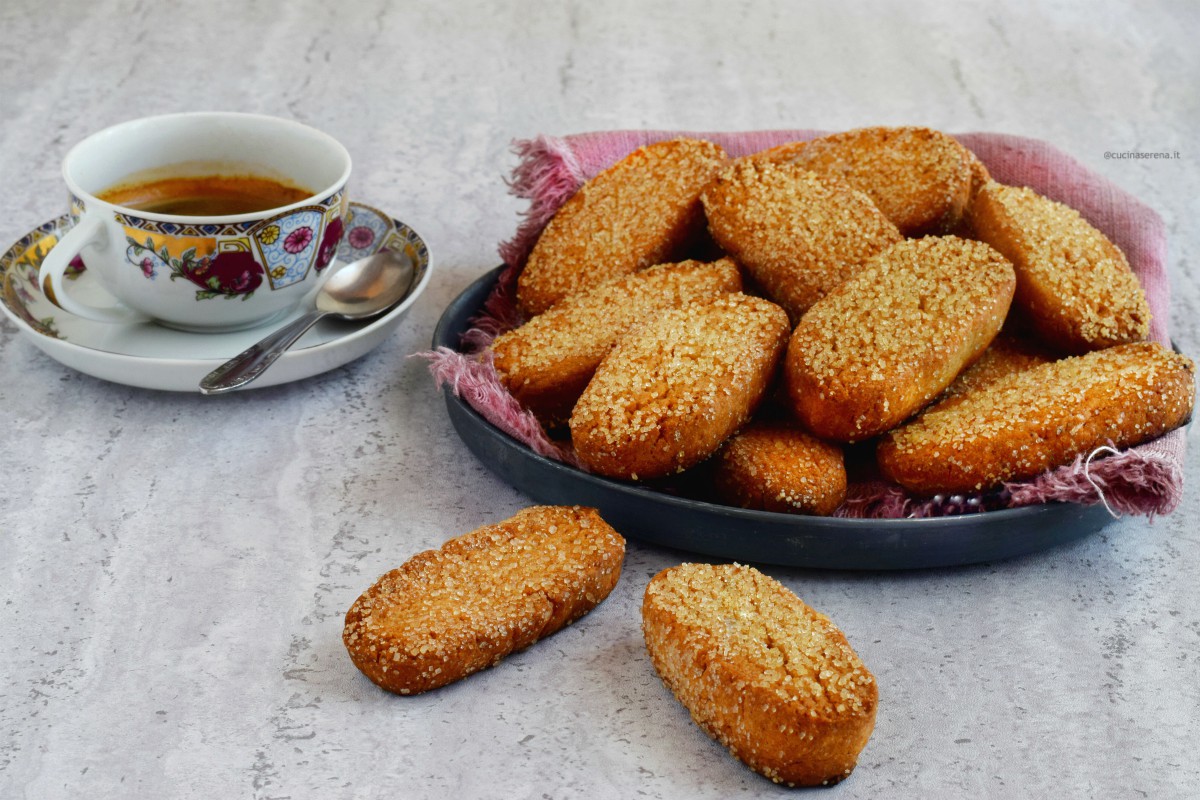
201 273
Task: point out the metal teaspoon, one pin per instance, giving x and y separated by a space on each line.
359 290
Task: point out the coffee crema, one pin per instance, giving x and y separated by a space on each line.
205 195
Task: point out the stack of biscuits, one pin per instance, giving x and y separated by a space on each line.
875 287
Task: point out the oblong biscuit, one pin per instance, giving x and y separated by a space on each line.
760 671
798 234
919 178
447 613
1074 286
546 363
643 210
678 385
889 340
776 466
1041 418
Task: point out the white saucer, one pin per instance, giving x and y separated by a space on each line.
155 357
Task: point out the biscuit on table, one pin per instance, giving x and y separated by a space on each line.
760 671
447 613
776 466
546 363
920 178
1074 286
1041 418
643 210
893 337
675 387
797 233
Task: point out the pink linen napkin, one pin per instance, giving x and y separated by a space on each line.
1147 479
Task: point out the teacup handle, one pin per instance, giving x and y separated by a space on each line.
88 232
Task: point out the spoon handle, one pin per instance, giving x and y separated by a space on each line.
254 360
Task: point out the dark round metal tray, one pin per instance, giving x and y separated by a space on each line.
725 532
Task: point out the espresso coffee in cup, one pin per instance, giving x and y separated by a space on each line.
204 195
207 221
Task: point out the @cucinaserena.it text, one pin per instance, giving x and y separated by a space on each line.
1140 154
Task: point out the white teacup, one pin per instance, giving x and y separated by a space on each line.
142 190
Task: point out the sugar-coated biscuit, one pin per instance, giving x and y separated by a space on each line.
674 388
546 363
760 671
919 178
1041 418
643 210
797 233
776 466
1074 286
447 613
889 340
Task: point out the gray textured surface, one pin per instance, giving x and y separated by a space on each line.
174 569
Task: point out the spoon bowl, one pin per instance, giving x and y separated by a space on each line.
360 290
367 287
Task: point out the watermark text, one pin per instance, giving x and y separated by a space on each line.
1131 155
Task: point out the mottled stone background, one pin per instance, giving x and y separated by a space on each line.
174 568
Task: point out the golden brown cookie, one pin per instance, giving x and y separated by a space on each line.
447 613
776 466
643 210
675 387
1041 418
890 339
918 177
760 671
546 363
1074 286
798 234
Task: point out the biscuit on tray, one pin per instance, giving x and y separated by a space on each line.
1074 286
674 388
760 671
776 466
920 179
798 234
546 363
644 210
1041 418
447 613
890 339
